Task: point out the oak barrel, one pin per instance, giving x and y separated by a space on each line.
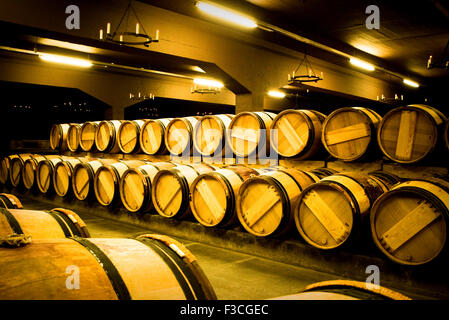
83 177
349 134
44 173
58 136
5 166
213 195
149 267
249 134
10 201
55 223
409 223
334 211
179 135
128 135
171 189
265 203
62 176
209 137
16 169
73 137
107 179
87 135
345 290
29 170
387 179
297 133
152 136
409 134
135 186
106 136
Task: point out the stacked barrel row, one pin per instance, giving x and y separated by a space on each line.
405 135
406 219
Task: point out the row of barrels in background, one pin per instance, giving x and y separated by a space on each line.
405 134
122 269
406 219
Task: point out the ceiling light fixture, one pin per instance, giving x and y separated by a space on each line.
65 60
362 64
226 14
411 83
202 86
276 94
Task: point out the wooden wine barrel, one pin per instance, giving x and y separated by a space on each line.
29 170
58 136
333 211
209 135
409 134
16 169
150 267
5 164
345 290
62 176
87 135
297 133
106 136
178 135
128 136
409 224
152 139
83 177
136 183
171 189
213 195
10 201
248 133
107 179
44 174
56 223
265 203
73 137
349 134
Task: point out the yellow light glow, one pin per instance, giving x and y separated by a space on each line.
208 83
276 94
362 64
226 14
198 69
65 60
411 83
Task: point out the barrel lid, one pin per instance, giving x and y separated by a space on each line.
347 133
169 192
103 135
4 169
210 199
73 138
81 181
87 135
151 137
294 130
409 223
324 215
28 173
44 175
407 134
16 171
105 183
177 137
245 133
128 135
208 135
56 136
132 189
260 205
62 178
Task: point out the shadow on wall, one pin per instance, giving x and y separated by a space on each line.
29 110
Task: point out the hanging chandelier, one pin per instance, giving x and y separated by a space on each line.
309 75
126 37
